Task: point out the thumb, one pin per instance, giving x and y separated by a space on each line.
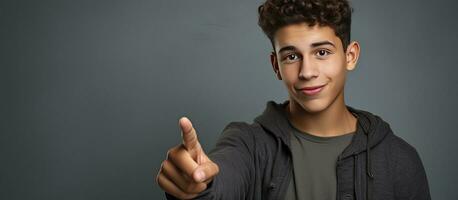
205 171
188 135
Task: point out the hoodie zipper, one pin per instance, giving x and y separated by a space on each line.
337 177
276 184
286 180
339 161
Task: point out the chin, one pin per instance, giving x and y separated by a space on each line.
312 105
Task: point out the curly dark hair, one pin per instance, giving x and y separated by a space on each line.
274 14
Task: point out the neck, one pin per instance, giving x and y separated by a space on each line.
334 120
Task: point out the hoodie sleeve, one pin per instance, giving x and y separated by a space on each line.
233 153
410 180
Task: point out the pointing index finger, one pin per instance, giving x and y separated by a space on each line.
188 134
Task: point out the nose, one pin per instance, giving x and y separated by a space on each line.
308 70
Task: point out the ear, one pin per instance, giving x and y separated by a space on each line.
273 61
352 55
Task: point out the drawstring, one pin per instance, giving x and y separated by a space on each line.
355 162
368 161
368 168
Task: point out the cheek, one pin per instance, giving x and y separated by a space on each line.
336 76
333 74
289 74
334 70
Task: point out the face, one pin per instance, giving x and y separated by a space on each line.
312 56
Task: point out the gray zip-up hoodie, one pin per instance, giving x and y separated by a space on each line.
255 161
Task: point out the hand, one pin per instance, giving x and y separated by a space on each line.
187 170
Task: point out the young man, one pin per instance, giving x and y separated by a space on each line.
311 146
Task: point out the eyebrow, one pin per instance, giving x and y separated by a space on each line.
313 45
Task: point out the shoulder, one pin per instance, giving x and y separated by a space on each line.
237 130
236 126
409 176
402 151
236 134
406 159
244 129
250 135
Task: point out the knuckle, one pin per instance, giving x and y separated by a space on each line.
162 164
169 153
167 168
159 181
163 168
158 176
172 152
165 164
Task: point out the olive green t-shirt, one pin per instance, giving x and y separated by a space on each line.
314 165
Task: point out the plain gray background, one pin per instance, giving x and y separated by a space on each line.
91 91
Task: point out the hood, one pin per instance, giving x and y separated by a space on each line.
371 129
370 126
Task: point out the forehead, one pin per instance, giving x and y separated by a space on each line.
301 35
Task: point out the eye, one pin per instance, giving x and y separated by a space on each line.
291 57
323 52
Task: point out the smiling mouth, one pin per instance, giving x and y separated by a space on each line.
309 91
312 87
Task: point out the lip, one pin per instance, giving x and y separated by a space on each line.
313 90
